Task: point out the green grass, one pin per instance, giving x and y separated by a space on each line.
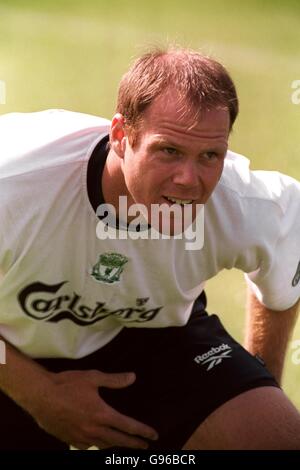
71 54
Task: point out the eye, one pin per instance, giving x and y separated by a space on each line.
170 150
211 157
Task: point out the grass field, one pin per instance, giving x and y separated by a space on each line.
71 54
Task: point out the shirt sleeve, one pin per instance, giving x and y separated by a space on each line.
276 283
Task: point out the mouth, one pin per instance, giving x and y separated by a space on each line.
181 202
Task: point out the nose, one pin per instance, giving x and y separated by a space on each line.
186 175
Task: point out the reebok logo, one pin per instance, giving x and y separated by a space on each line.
214 356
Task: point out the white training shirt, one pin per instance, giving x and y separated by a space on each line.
65 293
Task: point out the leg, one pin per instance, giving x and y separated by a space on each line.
261 418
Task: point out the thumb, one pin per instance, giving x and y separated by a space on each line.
119 380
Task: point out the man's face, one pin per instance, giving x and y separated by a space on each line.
175 160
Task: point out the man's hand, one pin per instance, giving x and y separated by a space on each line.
74 412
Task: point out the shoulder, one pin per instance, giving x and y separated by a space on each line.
39 139
256 188
250 210
53 117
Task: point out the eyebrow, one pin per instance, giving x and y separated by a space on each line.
169 143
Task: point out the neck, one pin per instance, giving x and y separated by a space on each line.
113 183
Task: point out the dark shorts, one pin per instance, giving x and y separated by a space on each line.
183 375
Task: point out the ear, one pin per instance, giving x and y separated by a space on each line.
118 135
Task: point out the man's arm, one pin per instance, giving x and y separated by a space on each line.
22 378
268 333
68 404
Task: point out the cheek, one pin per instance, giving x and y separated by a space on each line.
136 176
131 168
144 175
211 177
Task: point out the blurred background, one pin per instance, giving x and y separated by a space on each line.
71 54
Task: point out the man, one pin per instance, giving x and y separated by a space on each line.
108 341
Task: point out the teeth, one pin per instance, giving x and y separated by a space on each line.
179 201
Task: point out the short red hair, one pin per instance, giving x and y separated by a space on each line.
201 83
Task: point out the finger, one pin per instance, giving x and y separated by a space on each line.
119 380
113 437
131 426
99 446
79 446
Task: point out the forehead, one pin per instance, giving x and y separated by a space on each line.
170 116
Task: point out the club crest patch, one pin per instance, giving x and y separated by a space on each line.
296 278
109 267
